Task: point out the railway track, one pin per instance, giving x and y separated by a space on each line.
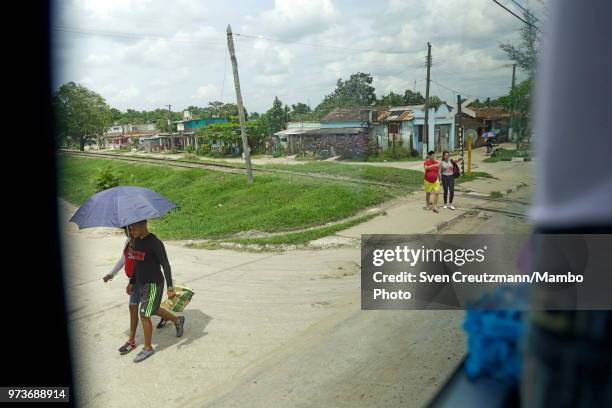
221 167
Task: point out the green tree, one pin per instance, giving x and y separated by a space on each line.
300 108
434 101
413 98
525 55
276 116
162 125
81 115
519 101
392 99
224 110
356 91
116 115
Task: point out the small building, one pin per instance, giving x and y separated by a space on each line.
494 118
343 132
188 126
123 136
403 126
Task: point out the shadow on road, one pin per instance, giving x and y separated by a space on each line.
195 326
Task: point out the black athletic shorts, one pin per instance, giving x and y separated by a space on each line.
150 298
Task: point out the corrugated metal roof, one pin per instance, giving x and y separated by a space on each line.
395 114
382 116
321 131
347 114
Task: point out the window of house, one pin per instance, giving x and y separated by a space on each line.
419 132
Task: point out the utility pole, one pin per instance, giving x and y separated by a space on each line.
459 127
245 142
511 130
170 127
426 127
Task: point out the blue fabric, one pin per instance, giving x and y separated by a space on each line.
136 294
494 334
121 206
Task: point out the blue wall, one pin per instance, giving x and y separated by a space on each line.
198 123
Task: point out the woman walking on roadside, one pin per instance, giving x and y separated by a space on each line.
431 183
448 169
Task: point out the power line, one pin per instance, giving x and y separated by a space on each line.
461 92
525 10
117 34
517 16
333 47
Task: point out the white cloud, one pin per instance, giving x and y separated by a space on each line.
295 19
97 59
311 43
128 93
207 93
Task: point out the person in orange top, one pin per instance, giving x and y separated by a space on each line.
432 181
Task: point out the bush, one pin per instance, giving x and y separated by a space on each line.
190 149
323 154
203 150
278 153
397 153
106 179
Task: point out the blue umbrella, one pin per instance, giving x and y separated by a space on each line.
488 134
121 206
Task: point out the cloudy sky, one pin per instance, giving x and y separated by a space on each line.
145 54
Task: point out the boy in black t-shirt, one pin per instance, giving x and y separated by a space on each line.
150 257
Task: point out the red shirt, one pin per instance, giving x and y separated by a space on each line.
431 175
129 262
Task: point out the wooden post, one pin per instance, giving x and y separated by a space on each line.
245 142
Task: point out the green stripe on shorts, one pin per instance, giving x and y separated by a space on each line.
152 293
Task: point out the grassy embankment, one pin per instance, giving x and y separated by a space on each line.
214 205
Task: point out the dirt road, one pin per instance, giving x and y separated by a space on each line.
284 326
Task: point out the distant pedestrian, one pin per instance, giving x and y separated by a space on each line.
489 141
448 171
431 182
150 257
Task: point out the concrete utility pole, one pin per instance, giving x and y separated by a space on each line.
170 127
245 142
459 127
426 127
